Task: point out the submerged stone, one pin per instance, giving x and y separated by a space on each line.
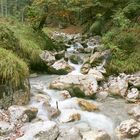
86 105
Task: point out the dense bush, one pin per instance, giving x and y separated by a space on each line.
124 44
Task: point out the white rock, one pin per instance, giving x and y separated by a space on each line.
5 128
97 74
69 115
133 95
47 130
118 87
48 57
70 134
135 80
102 95
135 111
17 113
87 84
96 135
21 113
128 128
61 64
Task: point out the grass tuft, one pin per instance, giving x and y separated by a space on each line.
12 69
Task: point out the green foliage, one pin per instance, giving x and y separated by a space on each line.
12 68
7 39
21 45
125 48
36 14
120 20
96 27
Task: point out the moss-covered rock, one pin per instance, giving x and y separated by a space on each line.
75 59
14 86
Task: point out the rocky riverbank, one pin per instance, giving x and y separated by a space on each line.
80 102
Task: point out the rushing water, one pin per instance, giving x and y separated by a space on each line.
76 70
111 111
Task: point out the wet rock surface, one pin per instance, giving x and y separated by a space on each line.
86 105
84 84
60 67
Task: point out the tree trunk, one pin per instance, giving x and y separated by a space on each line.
2 11
6 8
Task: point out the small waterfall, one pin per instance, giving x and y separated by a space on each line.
77 68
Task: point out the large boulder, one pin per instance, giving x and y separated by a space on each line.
77 85
118 86
97 74
22 113
98 58
60 67
48 57
47 130
128 129
133 95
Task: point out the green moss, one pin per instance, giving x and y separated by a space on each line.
12 68
75 91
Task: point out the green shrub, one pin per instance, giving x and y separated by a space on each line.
125 48
8 40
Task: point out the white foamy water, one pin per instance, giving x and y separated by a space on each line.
77 69
68 106
71 49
